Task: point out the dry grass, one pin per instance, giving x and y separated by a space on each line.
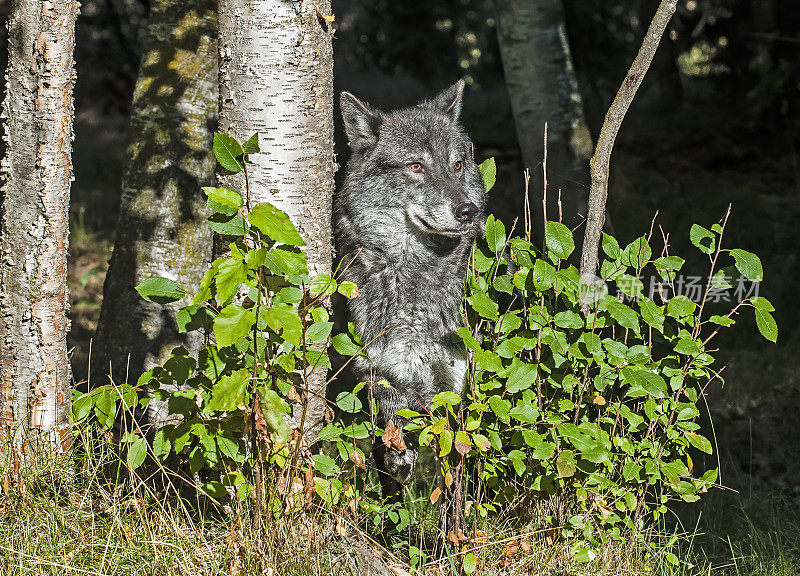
84 514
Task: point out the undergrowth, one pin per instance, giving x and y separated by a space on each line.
86 514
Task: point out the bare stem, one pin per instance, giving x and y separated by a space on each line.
601 161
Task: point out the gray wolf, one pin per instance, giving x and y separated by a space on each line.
410 206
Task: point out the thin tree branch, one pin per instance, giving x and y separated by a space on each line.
601 161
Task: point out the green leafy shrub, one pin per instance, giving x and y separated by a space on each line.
271 327
600 409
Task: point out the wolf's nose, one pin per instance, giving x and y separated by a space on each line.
466 212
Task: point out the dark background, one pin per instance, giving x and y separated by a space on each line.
715 123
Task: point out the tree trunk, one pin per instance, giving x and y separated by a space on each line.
543 88
162 228
37 175
276 79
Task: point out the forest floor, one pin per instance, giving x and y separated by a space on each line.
85 514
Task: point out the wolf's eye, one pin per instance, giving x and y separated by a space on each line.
415 167
457 166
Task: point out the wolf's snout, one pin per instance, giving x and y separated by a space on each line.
466 212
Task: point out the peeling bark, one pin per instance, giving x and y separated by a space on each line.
543 88
276 78
162 228
37 174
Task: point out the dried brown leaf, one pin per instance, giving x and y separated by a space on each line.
393 437
358 459
511 548
398 570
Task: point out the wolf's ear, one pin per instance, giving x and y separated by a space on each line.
449 101
361 122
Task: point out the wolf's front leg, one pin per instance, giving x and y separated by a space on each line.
395 466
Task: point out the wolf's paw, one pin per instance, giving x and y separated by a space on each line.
400 465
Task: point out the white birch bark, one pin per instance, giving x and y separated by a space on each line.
276 78
36 173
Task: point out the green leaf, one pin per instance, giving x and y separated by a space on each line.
748 264
651 313
469 564
495 234
326 465
762 303
680 307
622 314
688 346
215 489
703 238
344 345
447 397
348 402
644 382
565 464
524 413
611 247
137 453
637 253
284 317
558 240
160 290
766 325
521 378
229 392
232 324
568 319
503 283
223 200
231 273
193 317
445 442
667 266
322 284
275 224
161 445
500 407
227 150
484 305
348 289
81 407
517 458
700 442
227 225
319 331
251 146
721 280
488 170
722 320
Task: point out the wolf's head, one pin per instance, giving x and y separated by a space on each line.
413 169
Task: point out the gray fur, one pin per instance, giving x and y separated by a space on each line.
400 239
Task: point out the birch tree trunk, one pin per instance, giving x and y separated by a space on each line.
543 88
162 228
37 173
276 79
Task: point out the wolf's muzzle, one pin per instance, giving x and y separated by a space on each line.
466 212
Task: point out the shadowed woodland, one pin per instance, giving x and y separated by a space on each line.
715 123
